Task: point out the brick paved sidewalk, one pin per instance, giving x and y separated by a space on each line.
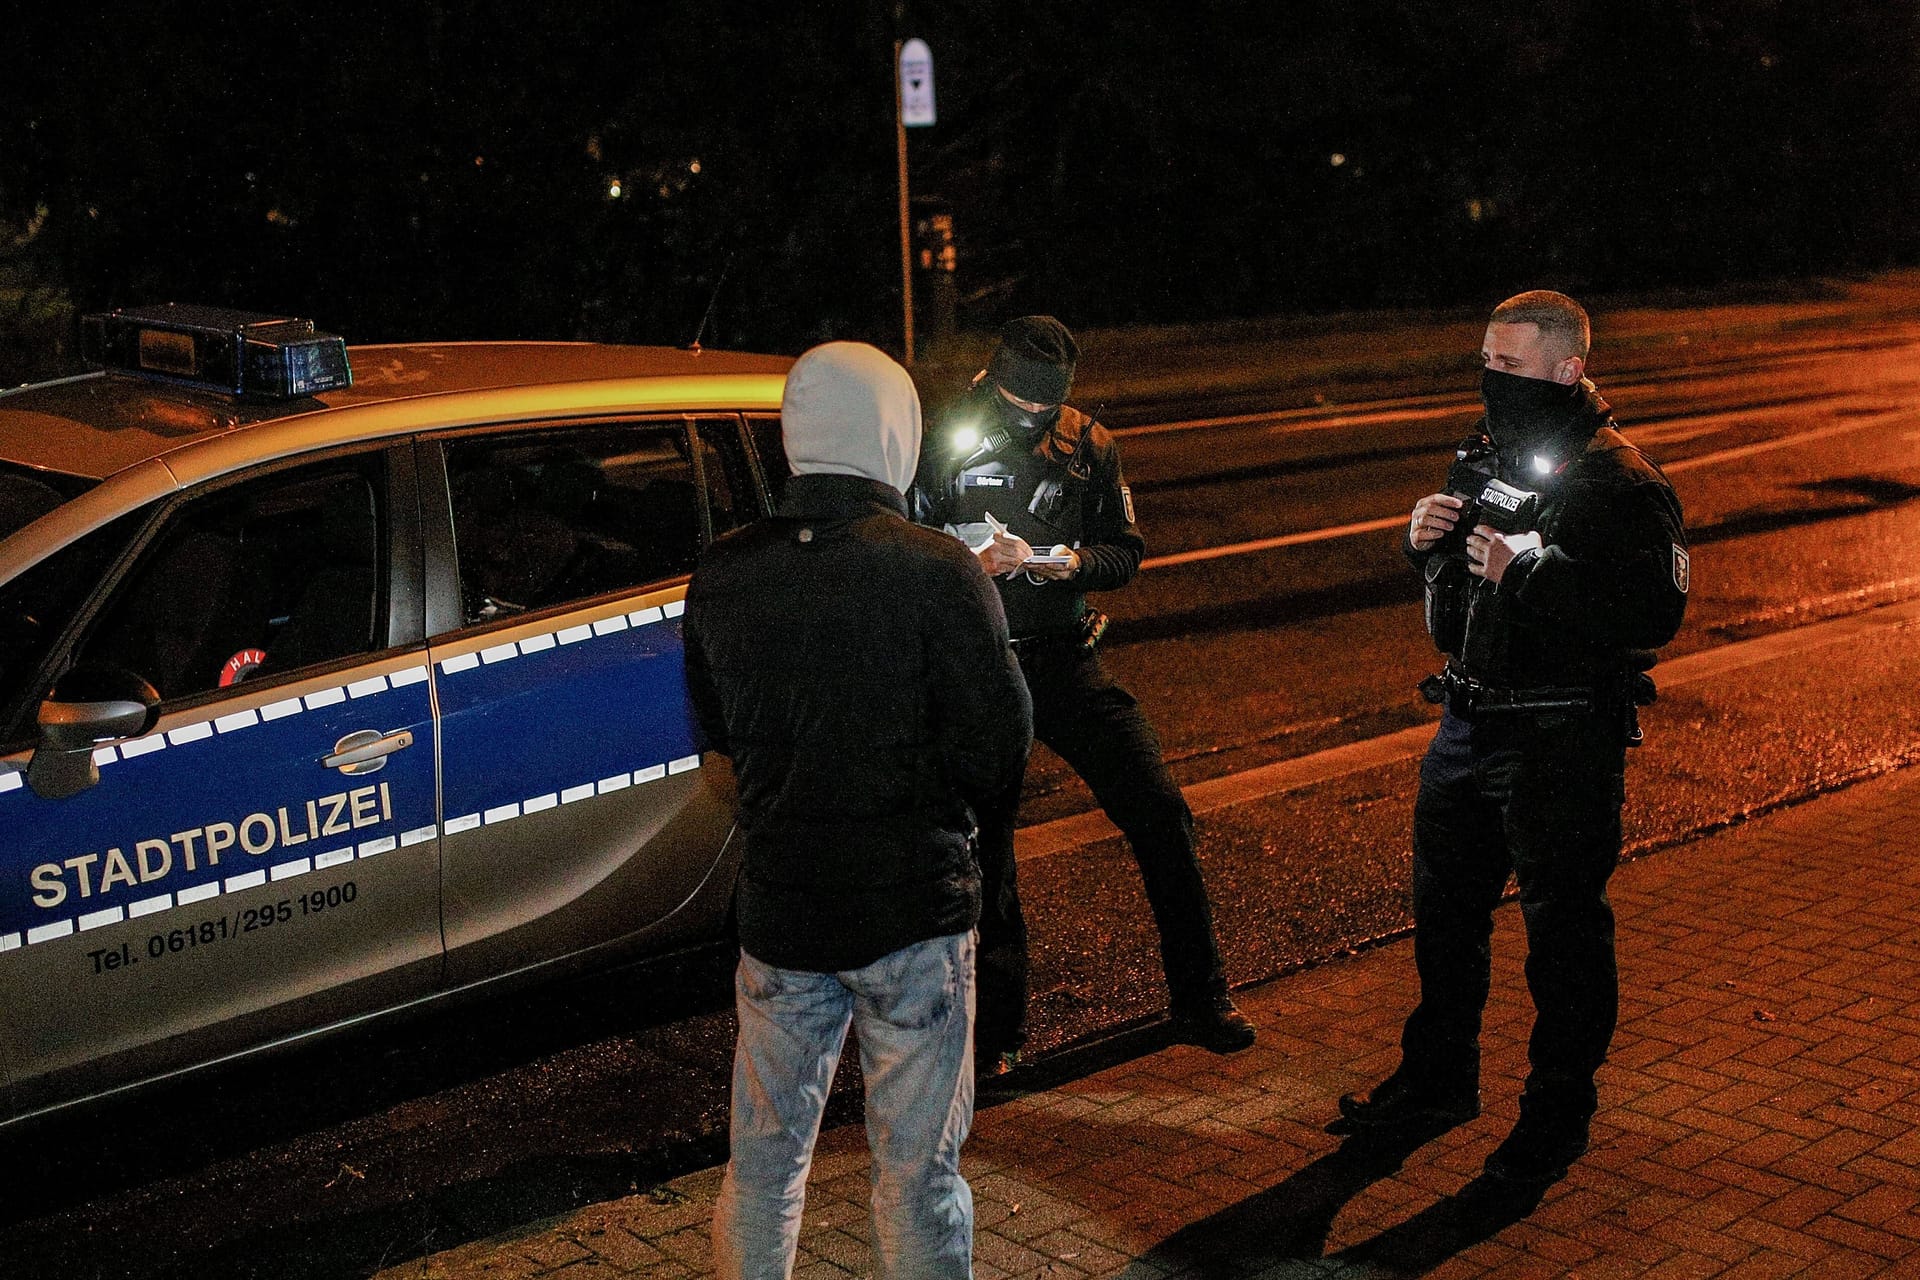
1758 1113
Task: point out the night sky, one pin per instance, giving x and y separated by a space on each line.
419 170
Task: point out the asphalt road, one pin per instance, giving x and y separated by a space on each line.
1275 622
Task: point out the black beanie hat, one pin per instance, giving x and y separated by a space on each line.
1035 360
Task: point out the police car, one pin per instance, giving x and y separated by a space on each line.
334 680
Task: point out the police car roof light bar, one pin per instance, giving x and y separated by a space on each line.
240 352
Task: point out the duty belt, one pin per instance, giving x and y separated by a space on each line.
1083 634
1467 697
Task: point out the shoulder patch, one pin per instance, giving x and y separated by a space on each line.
1682 569
1126 502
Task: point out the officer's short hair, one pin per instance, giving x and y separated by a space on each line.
1558 316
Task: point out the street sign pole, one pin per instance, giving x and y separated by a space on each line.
912 108
906 229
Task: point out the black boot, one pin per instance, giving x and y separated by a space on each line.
1402 1102
1551 1135
1215 1024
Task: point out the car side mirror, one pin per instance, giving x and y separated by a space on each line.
88 707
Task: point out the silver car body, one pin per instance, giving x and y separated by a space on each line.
536 799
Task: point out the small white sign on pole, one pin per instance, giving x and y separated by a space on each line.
916 83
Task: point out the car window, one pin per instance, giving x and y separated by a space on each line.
546 519
27 494
765 430
36 609
267 576
723 460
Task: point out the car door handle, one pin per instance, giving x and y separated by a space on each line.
366 750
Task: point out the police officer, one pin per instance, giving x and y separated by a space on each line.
1548 632
1020 474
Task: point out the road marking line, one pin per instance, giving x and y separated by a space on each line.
1063 834
1858 596
1439 404
1269 544
1312 418
1677 432
1785 442
1389 522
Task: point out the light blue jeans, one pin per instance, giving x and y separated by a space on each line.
912 1013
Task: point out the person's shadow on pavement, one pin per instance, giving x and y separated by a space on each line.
1284 1228
1481 1209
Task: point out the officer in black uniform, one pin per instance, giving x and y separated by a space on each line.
1017 473
1548 633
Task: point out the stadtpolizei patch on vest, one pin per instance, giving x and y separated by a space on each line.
1126 501
1682 569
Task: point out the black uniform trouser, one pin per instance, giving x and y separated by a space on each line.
1098 729
1538 796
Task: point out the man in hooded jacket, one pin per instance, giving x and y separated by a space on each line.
856 668
1548 633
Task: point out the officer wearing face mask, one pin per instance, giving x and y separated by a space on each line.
1548 633
1034 487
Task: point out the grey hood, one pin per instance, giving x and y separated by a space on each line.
849 410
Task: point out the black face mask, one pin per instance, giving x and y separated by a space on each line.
1031 425
1514 404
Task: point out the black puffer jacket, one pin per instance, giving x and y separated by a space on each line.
856 668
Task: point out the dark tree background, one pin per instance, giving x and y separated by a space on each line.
416 169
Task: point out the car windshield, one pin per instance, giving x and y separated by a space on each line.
27 494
